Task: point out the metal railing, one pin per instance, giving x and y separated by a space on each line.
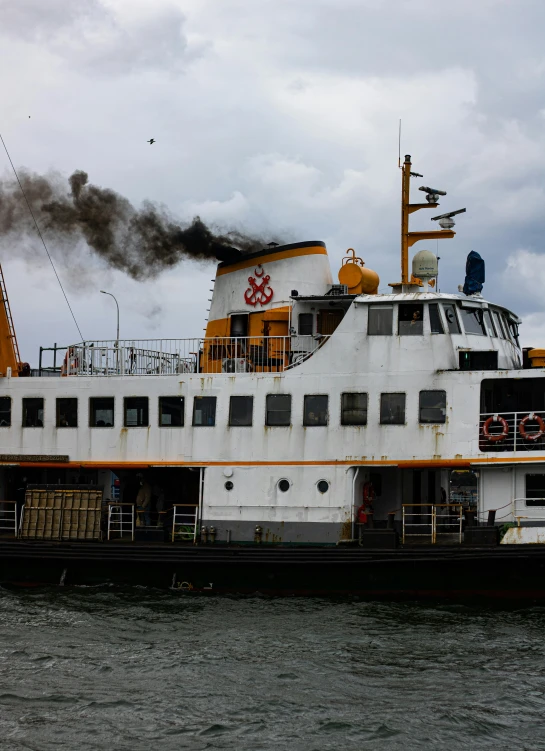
512 431
432 520
8 519
184 523
250 354
521 510
120 520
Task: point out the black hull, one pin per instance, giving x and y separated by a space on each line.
504 572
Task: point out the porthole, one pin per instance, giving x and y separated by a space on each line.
323 486
283 485
228 485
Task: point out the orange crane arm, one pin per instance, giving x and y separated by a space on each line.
9 349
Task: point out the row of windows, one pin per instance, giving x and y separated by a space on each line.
446 316
432 409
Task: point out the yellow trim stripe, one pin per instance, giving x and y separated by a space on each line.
315 250
400 464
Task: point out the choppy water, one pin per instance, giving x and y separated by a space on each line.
139 669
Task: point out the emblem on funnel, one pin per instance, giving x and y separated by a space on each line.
258 291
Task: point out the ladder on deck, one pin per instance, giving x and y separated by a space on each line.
11 328
184 522
120 520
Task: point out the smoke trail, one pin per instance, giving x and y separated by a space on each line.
141 242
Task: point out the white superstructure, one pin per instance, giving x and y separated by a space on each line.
301 392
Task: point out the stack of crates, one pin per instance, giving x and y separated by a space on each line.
62 512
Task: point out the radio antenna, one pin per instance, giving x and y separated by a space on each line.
399 146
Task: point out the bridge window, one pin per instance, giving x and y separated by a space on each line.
33 413
204 411
278 411
410 321
101 412
241 410
5 411
473 321
436 324
499 325
305 324
353 409
136 412
171 411
380 320
67 413
535 490
452 318
489 323
433 406
392 409
315 410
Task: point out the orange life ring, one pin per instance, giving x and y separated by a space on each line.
532 436
499 436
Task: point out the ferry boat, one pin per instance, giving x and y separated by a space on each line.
320 438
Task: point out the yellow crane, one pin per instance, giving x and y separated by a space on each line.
9 349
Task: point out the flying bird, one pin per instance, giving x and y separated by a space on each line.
151 140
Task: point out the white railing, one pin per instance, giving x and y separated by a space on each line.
8 518
523 512
184 522
250 354
432 520
120 520
512 431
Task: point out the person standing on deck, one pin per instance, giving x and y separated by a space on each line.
143 500
366 507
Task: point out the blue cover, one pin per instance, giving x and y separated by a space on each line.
474 274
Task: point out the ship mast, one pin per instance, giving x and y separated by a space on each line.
410 238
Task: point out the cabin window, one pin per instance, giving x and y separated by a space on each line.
136 411
410 321
5 411
171 411
329 320
535 490
315 410
473 321
278 410
392 409
239 325
67 413
101 412
380 320
487 360
489 323
240 411
353 409
436 324
204 411
304 324
33 413
452 318
433 406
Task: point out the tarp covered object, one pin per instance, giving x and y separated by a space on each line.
474 274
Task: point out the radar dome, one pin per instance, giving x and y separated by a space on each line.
425 265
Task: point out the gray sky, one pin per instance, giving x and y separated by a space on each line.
279 117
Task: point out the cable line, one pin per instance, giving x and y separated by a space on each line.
41 237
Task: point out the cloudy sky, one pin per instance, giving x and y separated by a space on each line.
278 117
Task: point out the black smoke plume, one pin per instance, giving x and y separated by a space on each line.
141 242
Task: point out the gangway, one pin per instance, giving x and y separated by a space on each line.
184 523
120 520
431 520
8 519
